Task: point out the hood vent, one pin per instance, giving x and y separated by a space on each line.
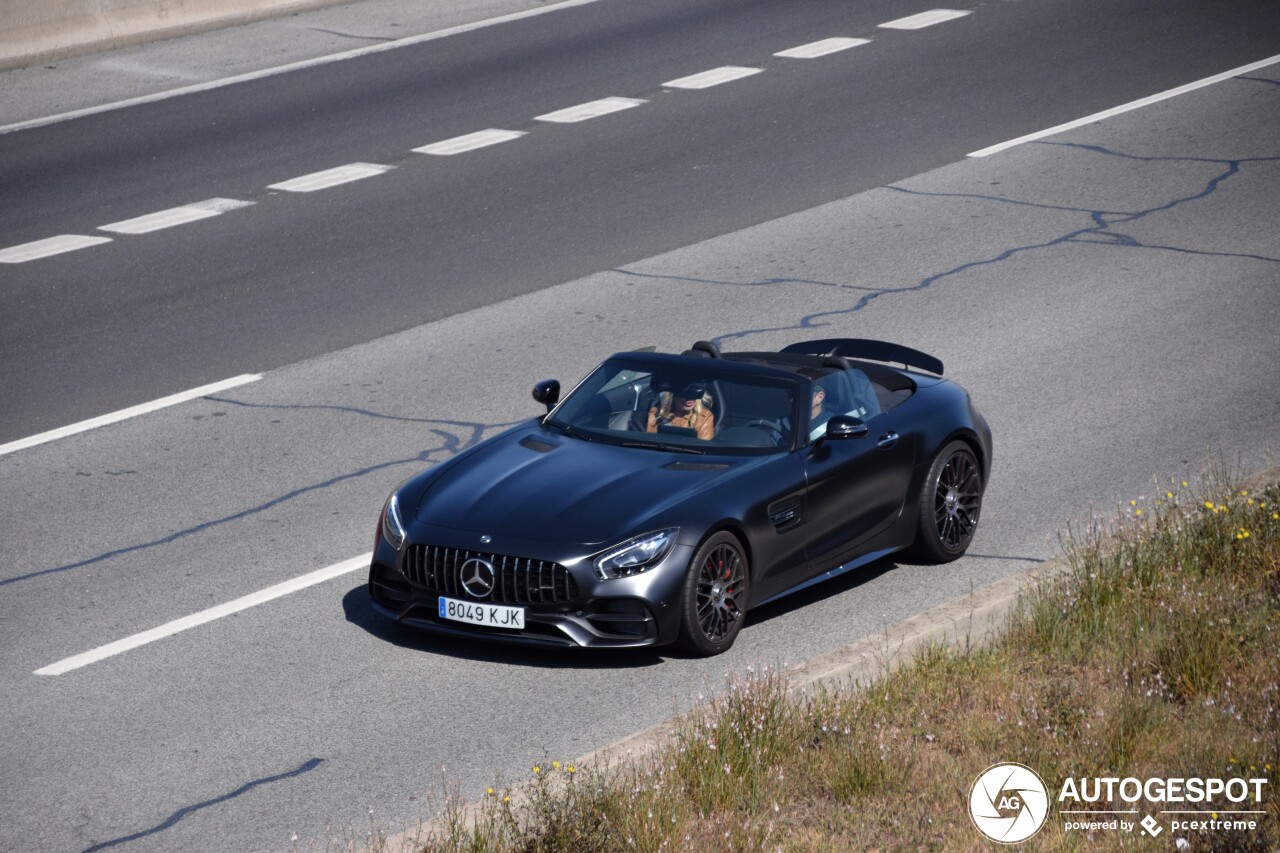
538 445
696 466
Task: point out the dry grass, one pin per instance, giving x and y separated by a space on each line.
1156 655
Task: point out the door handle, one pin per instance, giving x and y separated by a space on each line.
889 439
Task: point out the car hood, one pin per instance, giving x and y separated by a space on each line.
541 487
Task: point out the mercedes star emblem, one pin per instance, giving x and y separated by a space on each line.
477 577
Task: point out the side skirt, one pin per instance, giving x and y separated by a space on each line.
834 573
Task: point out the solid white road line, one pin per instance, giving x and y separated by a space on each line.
470 142
295 66
924 19
331 177
1132 105
187 622
175 216
47 247
714 77
125 414
592 109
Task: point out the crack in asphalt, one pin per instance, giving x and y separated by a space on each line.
1101 233
305 767
477 429
450 446
351 36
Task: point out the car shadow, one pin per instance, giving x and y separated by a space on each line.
359 612
826 589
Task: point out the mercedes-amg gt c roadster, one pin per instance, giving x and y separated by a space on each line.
666 495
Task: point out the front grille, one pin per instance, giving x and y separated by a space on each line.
517 580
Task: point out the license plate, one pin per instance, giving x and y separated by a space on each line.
488 615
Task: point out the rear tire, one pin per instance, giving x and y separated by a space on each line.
713 602
949 505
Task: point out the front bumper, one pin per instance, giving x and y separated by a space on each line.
638 611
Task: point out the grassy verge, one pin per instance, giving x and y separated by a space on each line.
1155 655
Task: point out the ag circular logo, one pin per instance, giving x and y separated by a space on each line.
1009 803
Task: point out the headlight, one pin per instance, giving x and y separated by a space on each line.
392 526
635 555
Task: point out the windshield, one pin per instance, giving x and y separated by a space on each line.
681 408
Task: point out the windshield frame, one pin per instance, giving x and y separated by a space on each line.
713 370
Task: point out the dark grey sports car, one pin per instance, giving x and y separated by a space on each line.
668 494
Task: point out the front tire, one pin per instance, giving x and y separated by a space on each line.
713 601
950 503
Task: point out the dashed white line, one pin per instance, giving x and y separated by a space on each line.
125 414
1132 105
331 177
714 77
590 110
470 142
821 48
296 66
48 247
175 216
186 623
924 19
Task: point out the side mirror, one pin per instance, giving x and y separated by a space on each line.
845 426
547 392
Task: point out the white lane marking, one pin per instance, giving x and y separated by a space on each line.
125 414
47 247
924 19
591 109
168 629
294 66
714 77
1132 105
175 216
470 142
331 177
821 48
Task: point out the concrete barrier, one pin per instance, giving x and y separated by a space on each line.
33 31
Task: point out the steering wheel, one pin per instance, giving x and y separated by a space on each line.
774 428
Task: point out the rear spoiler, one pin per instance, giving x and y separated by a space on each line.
871 350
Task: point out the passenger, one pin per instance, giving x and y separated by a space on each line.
688 408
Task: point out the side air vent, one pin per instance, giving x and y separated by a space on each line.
785 514
696 466
535 444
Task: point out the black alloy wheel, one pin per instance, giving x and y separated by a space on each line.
714 598
950 503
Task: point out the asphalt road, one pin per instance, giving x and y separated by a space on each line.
297 275
1109 296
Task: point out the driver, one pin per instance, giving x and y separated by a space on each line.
818 414
689 408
